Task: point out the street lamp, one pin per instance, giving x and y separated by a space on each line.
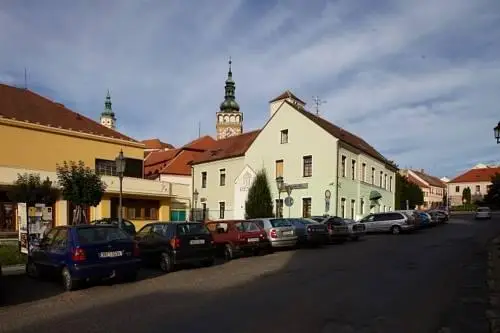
195 199
279 184
496 130
120 169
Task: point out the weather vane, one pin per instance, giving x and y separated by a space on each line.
318 102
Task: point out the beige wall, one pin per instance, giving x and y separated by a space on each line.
456 197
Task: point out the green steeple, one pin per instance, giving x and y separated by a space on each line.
229 104
108 111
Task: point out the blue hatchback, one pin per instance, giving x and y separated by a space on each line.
81 253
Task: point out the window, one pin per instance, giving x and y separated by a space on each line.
279 168
279 207
222 208
61 239
363 172
343 166
373 176
250 226
390 184
353 169
204 179
284 136
353 208
307 167
380 179
385 181
457 189
478 188
306 207
136 209
342 208
361 206
133 167
222 177
105 167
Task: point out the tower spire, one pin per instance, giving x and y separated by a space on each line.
229 104
108 116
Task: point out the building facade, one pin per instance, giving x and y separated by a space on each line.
433 188
329 170
478 179
39 134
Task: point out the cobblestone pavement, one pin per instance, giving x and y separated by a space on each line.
407 283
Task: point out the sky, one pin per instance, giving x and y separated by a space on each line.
418 80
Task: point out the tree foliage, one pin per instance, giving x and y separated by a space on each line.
492 198
81 186
467 195
30 189
406 190
259 202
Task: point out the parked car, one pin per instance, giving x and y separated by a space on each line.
84 252
414 217
438 216
310 232
168 244
356 229
483 213
238 237
127 226
425 219
280 231
394 222
338 231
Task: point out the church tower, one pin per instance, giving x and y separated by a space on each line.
108 116
229 119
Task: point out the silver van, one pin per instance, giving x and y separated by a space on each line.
280 231
393 222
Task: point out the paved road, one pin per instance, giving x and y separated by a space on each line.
406 283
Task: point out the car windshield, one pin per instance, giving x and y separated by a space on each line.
192 229
100 234
277 223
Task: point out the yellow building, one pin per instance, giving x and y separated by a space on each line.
36 134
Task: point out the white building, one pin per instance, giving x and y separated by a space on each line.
478 179
331 171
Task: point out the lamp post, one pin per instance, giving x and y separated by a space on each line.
496 130
195 199
120 169
279 184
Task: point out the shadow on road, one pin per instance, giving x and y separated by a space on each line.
323 290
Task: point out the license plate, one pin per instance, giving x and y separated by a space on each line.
197 241
252 240
111 254
287 233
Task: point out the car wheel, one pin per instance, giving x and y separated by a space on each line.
228 252
33 270
396 230
69 283
166 263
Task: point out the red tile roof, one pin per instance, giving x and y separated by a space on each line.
25 105
476 175
287 94
156 144
416 181
180 164
161 156
202 143
345 136
234 146
433 181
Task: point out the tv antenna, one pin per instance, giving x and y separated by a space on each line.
317 103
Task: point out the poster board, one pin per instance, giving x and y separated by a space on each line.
38 218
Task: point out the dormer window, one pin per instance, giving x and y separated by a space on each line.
284 136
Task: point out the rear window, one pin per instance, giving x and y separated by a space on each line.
100 234
483 209
192 229
277 223
317 219
304 221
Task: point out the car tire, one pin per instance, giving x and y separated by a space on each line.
69 283
32 270
166 262
395 230
228 252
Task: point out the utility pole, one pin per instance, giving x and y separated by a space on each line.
317 103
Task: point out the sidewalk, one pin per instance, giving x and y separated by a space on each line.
493 312
13 270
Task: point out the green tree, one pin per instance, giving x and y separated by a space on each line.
81 186
30 189
467 195
407 191
492 198
259 202
445 199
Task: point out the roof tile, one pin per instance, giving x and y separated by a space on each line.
476 175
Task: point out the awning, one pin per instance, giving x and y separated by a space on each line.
375 195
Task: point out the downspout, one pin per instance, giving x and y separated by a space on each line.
337 181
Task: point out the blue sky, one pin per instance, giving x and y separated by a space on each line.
419 80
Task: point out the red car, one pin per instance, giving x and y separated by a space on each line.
233 238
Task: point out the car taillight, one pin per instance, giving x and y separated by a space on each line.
309 229
136 250
273 233
175 243
78 254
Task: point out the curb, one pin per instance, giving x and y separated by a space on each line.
493 313
13 270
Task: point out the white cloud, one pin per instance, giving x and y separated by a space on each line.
417 76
